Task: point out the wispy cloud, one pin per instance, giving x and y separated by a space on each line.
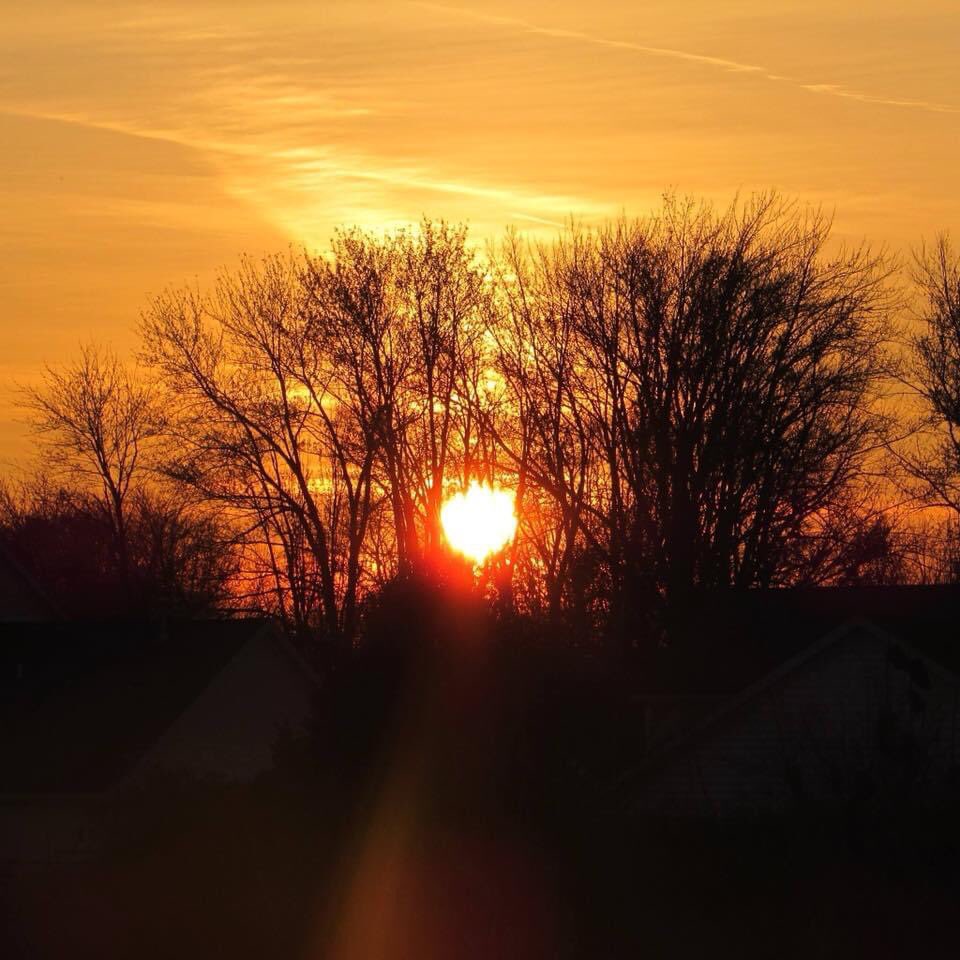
836 90
721 63
290 183
304 142
733 66
543 221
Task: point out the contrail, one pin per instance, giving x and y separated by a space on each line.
835 90
731 66
560 34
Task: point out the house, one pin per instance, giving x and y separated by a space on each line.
773 702
92 711
21 598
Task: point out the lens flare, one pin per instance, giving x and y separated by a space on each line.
480 521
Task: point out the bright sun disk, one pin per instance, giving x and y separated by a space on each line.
480 521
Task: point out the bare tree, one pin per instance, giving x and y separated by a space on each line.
543 444
936 371
398 320
181 558
686 400
320 396
245 434
696 389
927 456
94 419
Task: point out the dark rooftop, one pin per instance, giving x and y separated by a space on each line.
724 642
80 703
20 597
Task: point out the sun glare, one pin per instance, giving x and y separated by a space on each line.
480 521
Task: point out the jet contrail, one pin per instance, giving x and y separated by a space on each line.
732 66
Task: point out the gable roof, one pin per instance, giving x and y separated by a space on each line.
80 703
726 642
913 622
21 598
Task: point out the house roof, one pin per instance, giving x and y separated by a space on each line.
725 642
20 596
80 703
751 639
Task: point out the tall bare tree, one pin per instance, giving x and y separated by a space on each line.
246 433
398 317
318 396
936 371
685 400
544 447
697 389
94 418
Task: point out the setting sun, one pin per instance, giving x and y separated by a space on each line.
480 521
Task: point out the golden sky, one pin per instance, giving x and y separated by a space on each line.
149 144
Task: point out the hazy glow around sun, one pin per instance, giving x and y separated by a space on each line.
240 138
480 521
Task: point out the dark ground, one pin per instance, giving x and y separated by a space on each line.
454 801
239 877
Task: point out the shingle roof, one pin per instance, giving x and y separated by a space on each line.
20 597
81 702
724 642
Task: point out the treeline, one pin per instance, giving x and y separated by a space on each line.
693 399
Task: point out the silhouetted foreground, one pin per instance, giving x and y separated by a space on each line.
476 786
701 398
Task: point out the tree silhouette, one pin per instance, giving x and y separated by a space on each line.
687 400
696 391
94 419
936 276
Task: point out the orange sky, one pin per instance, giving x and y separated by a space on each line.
148 144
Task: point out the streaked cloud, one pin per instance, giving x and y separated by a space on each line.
731 66
148 144
836 90
617 44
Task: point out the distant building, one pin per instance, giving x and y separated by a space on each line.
21 599
90 711
783 701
